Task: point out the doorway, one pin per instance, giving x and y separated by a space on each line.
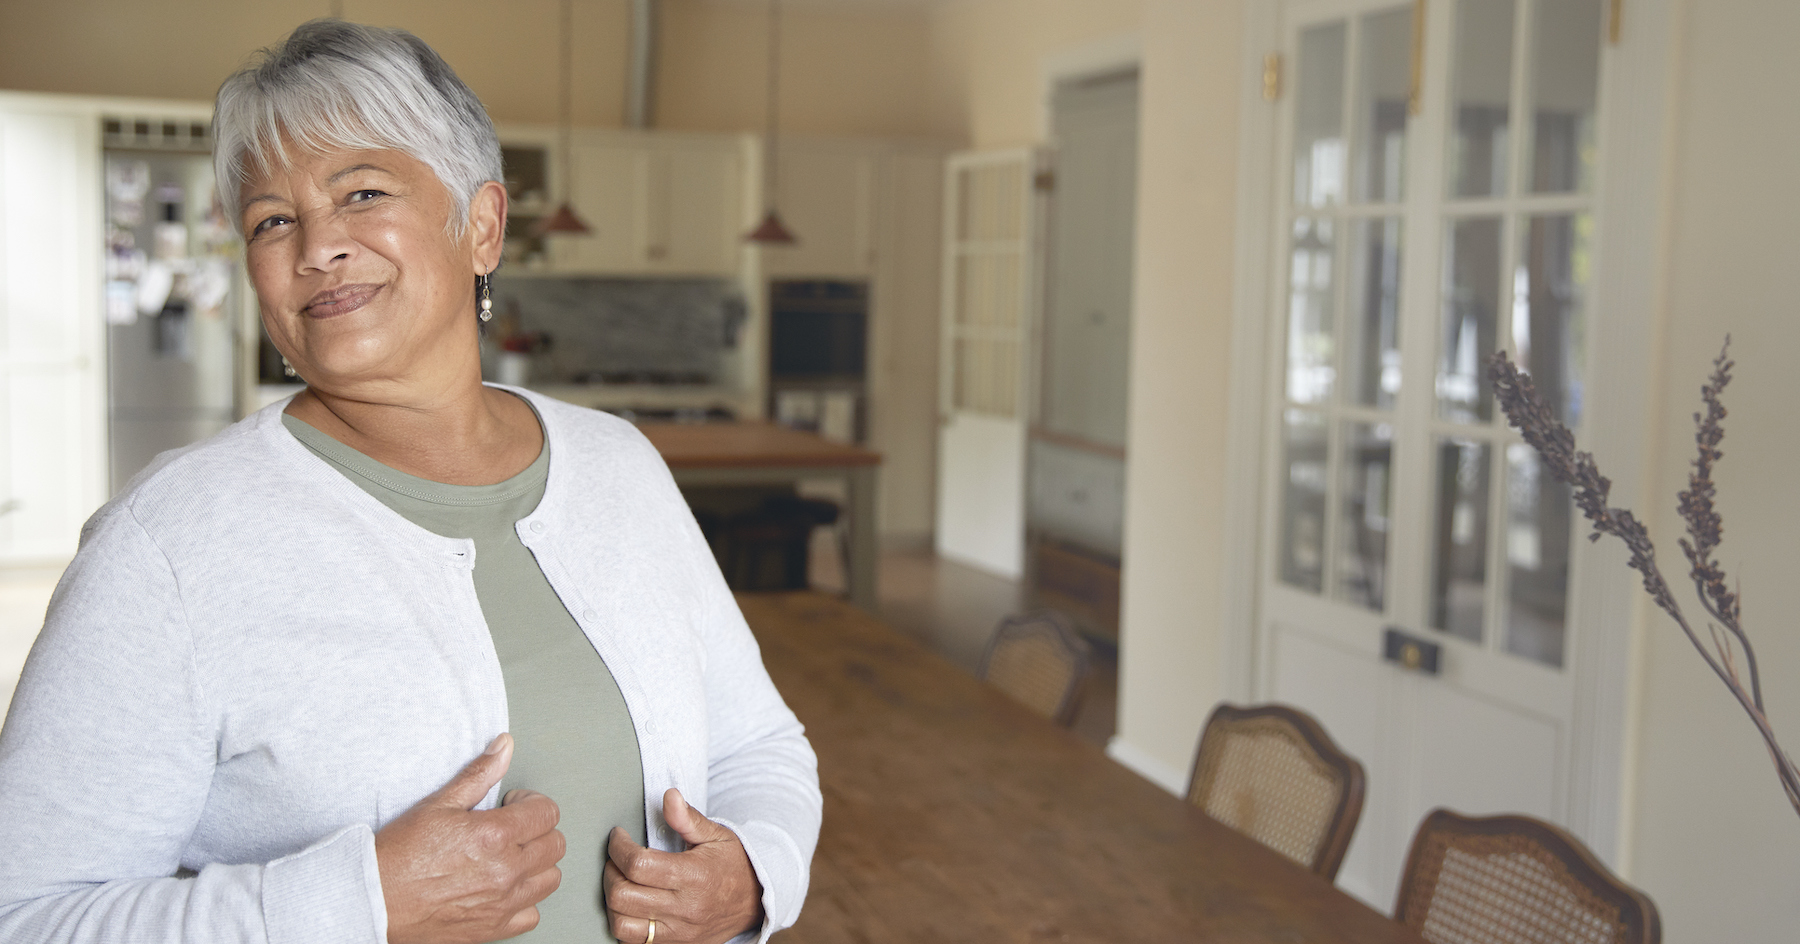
1076 449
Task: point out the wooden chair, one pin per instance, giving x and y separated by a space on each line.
1515 880
1272 773
1040 660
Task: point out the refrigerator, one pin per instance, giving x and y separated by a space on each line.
174 291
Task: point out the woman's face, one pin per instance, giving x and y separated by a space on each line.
360 285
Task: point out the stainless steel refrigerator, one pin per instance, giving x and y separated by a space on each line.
172 297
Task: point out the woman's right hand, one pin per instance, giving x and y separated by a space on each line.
457 875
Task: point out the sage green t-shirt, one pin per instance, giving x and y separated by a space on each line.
573 738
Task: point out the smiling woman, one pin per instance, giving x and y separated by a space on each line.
282 686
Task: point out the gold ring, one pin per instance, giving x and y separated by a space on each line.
651 937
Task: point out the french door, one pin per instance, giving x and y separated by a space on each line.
1436 203
991 252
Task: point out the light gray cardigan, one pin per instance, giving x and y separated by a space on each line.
252 665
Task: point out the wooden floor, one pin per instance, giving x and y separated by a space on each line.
953 609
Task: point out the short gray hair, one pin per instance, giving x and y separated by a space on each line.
333 84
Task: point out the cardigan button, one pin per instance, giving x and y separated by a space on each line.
537 527
589 615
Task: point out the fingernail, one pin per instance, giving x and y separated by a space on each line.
496 744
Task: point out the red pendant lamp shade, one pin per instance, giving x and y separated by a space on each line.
563 221
771 231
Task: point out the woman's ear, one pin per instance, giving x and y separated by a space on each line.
487 226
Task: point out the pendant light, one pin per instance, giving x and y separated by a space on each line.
771 231
564 221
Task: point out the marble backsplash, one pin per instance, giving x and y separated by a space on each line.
621 330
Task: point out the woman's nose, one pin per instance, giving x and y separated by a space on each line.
323 242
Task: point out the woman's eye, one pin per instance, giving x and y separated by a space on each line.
363 196
267 225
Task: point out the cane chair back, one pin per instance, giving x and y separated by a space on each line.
1272 773
1515 880
1039 659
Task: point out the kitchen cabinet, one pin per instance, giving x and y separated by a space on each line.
52 351
827 193
657 204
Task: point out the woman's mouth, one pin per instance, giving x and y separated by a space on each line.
339 301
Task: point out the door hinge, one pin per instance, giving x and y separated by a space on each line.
1045 180
1615 16
1272 77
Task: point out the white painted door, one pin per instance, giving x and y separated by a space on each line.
989 277
1436 203
52 402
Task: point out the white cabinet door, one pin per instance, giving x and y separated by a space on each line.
605 185
826 196
664 206
52 412
694 209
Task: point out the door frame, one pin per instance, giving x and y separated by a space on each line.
1636 123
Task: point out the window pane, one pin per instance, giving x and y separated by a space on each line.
1372 342
1482 91
1459 538
1537 557
1312 302
1383 85
1319 117
1363 509
1549 308
1565 76
1303 500
1468 329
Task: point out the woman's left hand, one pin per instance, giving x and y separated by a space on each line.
705 895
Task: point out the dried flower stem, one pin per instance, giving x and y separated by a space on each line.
1556 445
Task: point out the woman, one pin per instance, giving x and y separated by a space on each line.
272 694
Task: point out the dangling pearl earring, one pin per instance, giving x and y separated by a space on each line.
484 285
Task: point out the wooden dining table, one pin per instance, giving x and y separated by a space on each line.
954 814
757 453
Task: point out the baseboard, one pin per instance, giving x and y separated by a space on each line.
1147 767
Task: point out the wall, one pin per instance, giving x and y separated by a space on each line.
1171 668
184 48
852 71
990 58
1714 841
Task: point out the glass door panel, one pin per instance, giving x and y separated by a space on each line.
1319 117
1460 539
1537 558
1384 84
1304 454
1312 303
1363 514
1481 88
1469 325
1549 308
1565 84
1372 345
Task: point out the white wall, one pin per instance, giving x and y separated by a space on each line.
1172 656
1712 838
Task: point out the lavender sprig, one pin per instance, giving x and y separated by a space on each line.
1528 413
